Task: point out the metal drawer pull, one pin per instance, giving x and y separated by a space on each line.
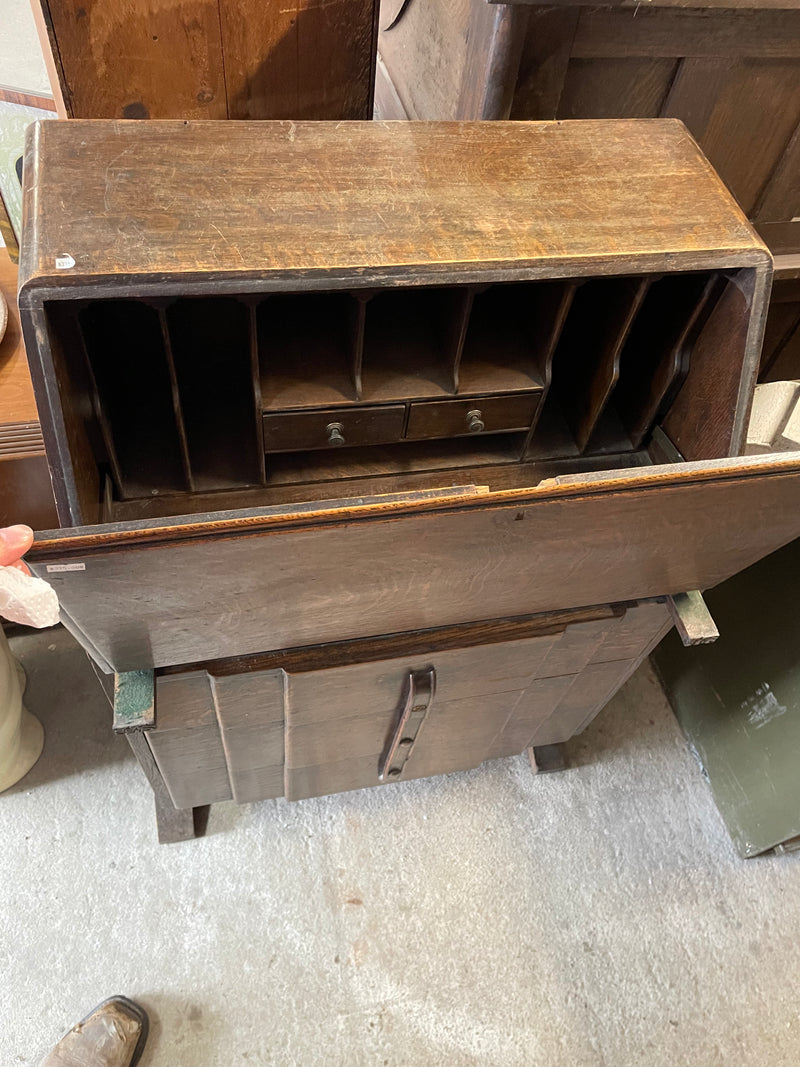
335 432
475 423
419 697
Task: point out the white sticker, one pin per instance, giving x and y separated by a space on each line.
64 261
59 568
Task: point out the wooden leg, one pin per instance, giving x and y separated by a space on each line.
546 759
174 824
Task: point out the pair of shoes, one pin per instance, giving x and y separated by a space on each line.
113 1035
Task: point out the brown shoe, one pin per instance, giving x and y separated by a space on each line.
113 1035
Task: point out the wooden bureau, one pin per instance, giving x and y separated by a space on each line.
378 448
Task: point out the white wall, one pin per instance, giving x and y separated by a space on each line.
21 62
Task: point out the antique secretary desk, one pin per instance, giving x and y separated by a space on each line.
380 448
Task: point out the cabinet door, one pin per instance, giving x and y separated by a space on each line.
341 723
145 594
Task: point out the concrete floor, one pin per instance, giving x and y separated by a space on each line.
599 916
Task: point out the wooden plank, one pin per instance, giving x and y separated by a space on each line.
514 213
186 742
692 618
17 403
639 533
416 643
544 63
138 61
629 636
627 87
52 60
310 59
780 200
250 712
531 711
588 695
743 114
696 429
687 32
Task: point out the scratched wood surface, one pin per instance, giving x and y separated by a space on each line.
730 69
416 202
229 588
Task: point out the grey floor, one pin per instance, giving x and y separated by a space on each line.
599 916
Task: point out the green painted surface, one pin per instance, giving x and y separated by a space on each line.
134 701
738 701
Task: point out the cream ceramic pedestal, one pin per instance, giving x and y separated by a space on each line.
21 734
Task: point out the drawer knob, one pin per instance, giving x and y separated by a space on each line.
335 432
475 423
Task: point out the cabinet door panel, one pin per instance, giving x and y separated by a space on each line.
227 585
186 743
250 713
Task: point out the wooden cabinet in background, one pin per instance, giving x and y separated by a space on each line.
731 72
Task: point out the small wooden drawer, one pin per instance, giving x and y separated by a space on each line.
335 427
457 418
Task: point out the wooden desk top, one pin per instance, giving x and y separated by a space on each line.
16 392
271 204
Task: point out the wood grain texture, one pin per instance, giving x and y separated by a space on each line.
122 59
250 712
186 743
687 32
529 200
640 533
702 430
743 114
311 59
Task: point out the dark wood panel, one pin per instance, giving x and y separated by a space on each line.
417 643
638 533
780 201
743 115
531 711
186 742
700 430
307 60
544 63
611 34
250 713
631 87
